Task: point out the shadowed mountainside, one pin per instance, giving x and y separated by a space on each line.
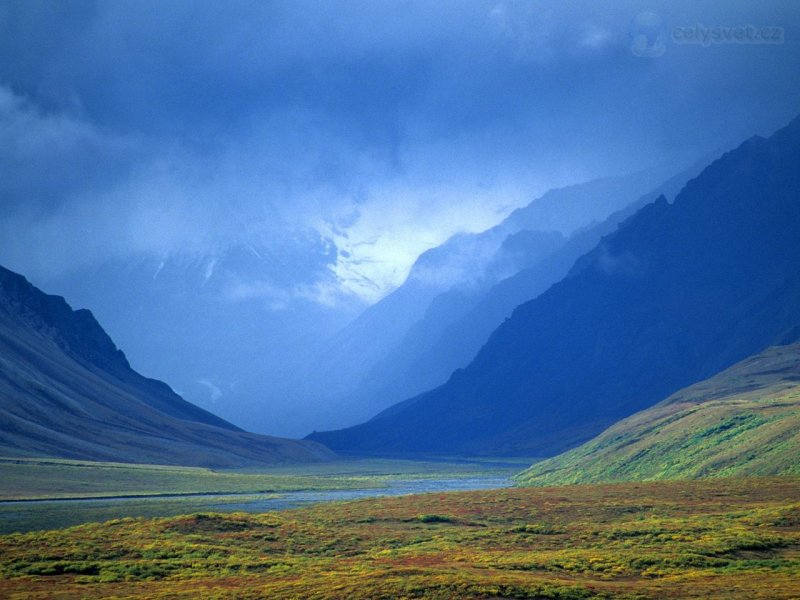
678 293
368 365
67 391
458 322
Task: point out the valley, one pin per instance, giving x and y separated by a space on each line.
399 300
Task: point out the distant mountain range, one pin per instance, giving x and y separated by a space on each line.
67 391
744 421
437 320
459 321
679 292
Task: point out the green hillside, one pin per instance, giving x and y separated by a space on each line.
744 421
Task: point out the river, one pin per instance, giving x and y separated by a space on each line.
30 515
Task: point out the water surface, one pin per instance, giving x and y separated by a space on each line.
31 515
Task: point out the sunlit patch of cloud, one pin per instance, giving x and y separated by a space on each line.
404 220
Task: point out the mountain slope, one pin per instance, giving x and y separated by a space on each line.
67 391
447 281
411 316
744 421
458 322
207 322
678 293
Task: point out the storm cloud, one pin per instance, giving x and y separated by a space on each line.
365 121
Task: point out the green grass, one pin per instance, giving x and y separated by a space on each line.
735 539
743 422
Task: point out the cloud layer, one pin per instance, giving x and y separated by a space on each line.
168 128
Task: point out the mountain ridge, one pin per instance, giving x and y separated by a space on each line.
465 331
67 391
681 291
450 277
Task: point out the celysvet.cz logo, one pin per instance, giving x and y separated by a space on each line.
746 34
650 36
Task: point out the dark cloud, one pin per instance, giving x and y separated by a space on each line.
302 113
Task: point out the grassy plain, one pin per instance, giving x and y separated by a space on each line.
727 538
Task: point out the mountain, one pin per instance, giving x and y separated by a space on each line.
744 421
678 293
458 322
357 370
223 325
67 391
467 263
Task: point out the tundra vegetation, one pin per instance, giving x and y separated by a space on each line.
731 538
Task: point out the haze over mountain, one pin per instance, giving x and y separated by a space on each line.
678 293
356 372
744 421
227 186
458 322
66 391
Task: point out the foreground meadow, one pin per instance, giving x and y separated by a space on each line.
736 538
